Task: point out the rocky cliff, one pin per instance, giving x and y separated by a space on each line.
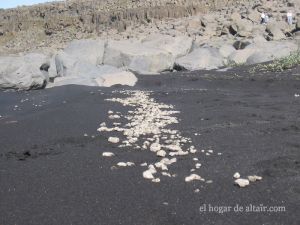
96 15
56 23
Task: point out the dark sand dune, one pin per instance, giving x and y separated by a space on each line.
50 173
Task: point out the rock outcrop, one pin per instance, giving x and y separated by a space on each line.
137 57
24 72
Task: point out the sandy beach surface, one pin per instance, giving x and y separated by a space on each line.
52 170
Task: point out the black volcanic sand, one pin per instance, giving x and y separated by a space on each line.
52 173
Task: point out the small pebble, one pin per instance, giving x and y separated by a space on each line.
122 164
254 178
192 177
242 182
236 175
108 154
197 190
113 139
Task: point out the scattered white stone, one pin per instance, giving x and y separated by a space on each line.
161 153
155 147
211 151
254 178
148 175
197 190
219 153
161 165
108 154
198 165
209 182
242 182
114 117
195 159
236 175
176 148
207 153
113 140
122 164
156 180
296 95
86 135
130 164
166 174
192 177
147 123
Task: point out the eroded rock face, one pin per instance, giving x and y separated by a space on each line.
275 32
89 16
137 57
176 46
202 58
24 72
86 50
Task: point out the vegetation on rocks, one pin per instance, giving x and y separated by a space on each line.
280 65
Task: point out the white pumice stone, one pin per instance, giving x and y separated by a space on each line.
114 117
121 164
242 182
161 153
198 165
147 128
148 175
192 177
156 180
108 154
113 140
130 164
166 174
197 190
254 178
236 175
155 147
210 151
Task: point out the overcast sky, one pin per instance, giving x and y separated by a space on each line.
14 3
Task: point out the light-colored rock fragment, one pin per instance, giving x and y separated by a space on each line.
148 175
155 147
242 182
113 140
121 164
192 177
254 178
161 153
130 164
108 154
156 180
198 165
236 175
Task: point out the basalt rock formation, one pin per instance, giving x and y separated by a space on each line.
96 15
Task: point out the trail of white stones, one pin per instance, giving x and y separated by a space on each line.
147 129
